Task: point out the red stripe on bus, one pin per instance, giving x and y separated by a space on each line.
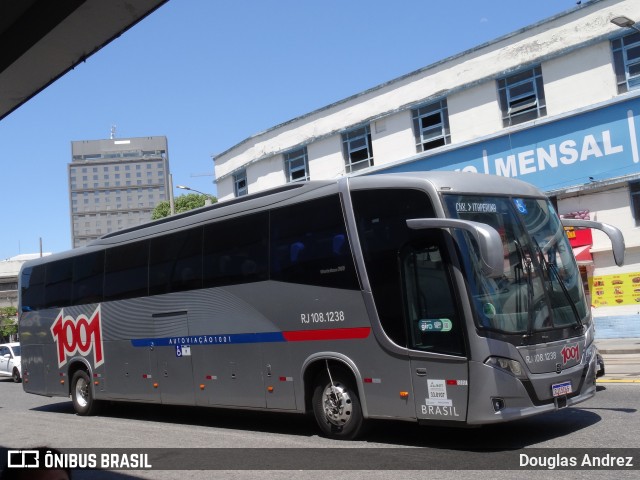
330 334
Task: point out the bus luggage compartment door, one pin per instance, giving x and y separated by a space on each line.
278 376
174 361
440 389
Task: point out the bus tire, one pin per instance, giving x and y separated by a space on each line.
82 394
336 407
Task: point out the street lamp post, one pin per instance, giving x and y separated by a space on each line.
208 200
625 22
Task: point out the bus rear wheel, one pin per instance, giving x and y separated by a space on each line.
336 407
82 394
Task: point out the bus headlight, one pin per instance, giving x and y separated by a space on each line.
511 366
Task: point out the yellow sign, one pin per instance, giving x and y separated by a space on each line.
612 290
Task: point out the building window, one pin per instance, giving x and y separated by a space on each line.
634 190
357 148
626 61
522 96
431 126
296 165
240 183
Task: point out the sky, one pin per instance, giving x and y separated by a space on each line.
208 74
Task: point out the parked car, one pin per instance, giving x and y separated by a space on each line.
10 365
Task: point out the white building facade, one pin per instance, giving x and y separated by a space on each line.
556 104
9 271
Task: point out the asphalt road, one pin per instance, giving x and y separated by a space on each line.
260 440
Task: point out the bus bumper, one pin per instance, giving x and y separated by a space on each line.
501 397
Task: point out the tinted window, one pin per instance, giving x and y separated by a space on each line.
381 216
235 251
309 245
57 291
431 314
32 285
126 271
88 278
175 262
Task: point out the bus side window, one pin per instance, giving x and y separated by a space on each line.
57 288
381 216
309 245
175 262
32 288
236 251
88 278
126 271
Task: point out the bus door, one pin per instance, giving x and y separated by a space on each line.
439 367
175 369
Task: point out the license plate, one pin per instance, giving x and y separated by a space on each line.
560 389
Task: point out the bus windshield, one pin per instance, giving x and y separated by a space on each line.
540 287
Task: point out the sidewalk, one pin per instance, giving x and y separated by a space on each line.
618 346
621 359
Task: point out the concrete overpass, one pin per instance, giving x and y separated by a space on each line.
41 40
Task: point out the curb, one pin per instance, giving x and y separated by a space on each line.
618 380
626 351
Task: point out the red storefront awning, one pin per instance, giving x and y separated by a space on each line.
583 254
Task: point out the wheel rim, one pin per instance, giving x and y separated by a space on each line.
82 392
337 404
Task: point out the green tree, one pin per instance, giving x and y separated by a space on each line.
8 322
183 203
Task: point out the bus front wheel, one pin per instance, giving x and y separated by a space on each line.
336 407
82 394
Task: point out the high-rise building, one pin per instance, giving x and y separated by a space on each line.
115 184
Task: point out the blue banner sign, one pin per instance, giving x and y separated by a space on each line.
601 143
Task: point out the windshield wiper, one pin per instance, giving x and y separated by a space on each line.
553 269
525 264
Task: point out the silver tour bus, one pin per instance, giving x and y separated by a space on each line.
439 298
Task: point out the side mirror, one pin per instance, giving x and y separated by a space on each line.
487 238
614 234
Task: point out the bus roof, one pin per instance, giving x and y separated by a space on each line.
435 181
453 182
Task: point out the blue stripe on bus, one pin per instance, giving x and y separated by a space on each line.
353 333
265 337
